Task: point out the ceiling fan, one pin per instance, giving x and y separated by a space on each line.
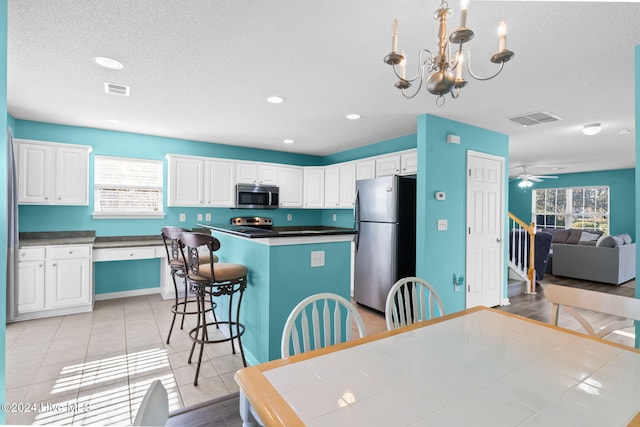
527 180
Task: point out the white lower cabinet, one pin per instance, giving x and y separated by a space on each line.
55 280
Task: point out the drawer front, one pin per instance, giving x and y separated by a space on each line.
31 254
124 254
62 252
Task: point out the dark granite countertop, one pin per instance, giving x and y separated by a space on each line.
291 231
86 238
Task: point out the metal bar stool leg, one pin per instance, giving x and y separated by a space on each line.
173 321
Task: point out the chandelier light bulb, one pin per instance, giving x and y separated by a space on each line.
394 36
464 6
502 36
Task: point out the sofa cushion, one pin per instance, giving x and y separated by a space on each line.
559 235
574 236
609 242
587 242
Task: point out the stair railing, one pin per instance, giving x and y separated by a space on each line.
522 249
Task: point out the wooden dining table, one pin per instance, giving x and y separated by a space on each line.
477 367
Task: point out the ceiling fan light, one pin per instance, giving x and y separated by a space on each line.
592 129
525 183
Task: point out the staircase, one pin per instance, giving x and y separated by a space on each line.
521 257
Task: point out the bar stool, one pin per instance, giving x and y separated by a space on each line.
171 239
216 280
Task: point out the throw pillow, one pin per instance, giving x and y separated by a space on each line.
586 236
608 242
574 236
625 238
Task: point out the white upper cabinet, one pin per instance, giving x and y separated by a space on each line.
388 165
313 194
365 169
409 163
403 163
291 187
52 173
219 188
332 187
347 185
201 181
256 173
186 181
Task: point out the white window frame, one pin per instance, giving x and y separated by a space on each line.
122 214
570 216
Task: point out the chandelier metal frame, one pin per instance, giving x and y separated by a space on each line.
436 72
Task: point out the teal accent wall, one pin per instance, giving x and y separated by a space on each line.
121 276
384 147
279 278
622 196
637 180
4 121
442 167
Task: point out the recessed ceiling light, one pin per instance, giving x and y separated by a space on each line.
353 116
114 121
591 129
110 63
275 99
288 141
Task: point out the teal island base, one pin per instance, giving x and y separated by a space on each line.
280 276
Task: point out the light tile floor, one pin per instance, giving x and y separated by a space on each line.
94 368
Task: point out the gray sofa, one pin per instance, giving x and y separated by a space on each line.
595 263
588 255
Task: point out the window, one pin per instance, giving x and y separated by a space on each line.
126 187
586 208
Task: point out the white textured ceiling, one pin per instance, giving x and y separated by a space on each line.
202 69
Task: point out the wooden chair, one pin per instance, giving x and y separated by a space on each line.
411 300
319 321
154 408
627 308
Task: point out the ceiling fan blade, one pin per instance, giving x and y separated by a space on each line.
534 179
543 176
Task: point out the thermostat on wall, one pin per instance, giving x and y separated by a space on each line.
440 195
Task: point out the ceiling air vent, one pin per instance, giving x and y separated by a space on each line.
537 118
116 89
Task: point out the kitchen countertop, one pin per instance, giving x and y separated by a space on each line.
86 238
291 231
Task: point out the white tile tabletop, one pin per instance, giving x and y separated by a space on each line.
482 368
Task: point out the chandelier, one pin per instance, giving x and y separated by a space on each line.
436 72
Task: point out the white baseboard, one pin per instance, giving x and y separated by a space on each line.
505 301
126 294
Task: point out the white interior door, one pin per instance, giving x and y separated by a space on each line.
485 212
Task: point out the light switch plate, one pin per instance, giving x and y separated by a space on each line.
207 217
442 225
183 217
199 217
317 259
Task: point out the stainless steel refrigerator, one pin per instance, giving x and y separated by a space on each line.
385 216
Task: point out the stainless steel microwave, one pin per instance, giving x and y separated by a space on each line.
249 196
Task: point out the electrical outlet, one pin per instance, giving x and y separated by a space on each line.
199 217
207 217
183 217
317 259
289 217
334 217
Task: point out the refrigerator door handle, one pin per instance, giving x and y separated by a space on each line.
356 218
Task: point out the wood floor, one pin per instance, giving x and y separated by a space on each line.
223 412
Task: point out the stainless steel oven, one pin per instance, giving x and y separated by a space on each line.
249 196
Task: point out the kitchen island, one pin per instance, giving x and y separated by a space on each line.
286 265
